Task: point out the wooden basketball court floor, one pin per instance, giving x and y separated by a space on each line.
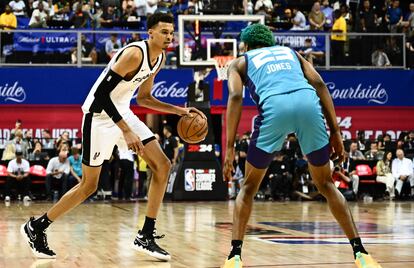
280 234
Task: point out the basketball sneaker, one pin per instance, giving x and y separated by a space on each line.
365 261
146 243
37 241
234 262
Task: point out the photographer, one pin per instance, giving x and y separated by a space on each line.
347 183
280 179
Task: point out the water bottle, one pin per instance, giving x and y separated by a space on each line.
55 196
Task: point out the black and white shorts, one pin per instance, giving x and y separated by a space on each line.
100 135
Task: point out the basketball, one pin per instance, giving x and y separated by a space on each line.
192 129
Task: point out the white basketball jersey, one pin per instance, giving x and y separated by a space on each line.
122 94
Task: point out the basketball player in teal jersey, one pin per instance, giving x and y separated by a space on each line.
291 97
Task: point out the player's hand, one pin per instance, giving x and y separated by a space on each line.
188 110
228 167
338 147
134 142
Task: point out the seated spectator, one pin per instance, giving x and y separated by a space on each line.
280 178
112 45
309 53
298 20
267 4
374 153
409 141
379 58
57 172
17 126
61 10
18 7
37 154
18 174
89 54
152 5
64 138
384 175
135 37
354 153
346 184
129 4
80 18
108 17
28 138
410 18
46 6
402 170
15 145
129 15
75 162
316 18
47 141
141 7
39 17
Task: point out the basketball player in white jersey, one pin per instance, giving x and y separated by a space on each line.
108 121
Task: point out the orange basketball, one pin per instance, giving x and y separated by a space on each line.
192 129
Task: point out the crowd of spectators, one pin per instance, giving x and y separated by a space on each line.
384 166
336 16
56 164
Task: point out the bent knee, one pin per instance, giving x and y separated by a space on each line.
88 188
162 166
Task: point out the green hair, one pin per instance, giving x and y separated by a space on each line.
257 35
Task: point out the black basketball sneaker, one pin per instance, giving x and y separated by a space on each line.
37 241
146 243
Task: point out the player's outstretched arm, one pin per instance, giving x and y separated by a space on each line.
327 105
145 99
234 108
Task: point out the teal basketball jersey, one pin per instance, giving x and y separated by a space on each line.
272 71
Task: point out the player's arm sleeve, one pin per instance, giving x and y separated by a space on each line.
103 98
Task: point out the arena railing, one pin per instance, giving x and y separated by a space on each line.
33 47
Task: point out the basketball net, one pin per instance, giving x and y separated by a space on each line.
222 64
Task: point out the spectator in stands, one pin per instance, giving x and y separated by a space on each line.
349 19
109 17
47 141
367 24
338 39
170 145
267 4
354 153
28 138
135 37
8 21
394 50
379 58
57 172
328 12
141 6
409 141
129 4
242 151
409 23
112 45
18 144
18 7
280 177
316 17
46 7
126 177
17 126
75 163
129 15
18 174
374 153
394 16
402 170
39 17
309 53
80 18
89 54
63 138
61 10
410 50
143 183
37 154
152 6
347 185
298 21
385 176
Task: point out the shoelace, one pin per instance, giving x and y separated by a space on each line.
45 245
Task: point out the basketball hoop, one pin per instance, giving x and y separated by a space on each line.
222 64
